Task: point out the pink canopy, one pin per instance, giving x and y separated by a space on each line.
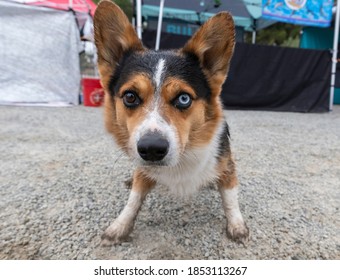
83 6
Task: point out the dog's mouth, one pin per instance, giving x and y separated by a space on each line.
168 161
154 164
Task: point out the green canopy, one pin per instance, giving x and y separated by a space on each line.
246 14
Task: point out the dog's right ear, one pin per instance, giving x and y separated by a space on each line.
114 36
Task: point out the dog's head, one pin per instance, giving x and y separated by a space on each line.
160 104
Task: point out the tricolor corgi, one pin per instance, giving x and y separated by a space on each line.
163 109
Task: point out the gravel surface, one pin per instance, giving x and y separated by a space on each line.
62 184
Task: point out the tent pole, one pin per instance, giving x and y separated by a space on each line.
335 54
159 27
139 18
253 39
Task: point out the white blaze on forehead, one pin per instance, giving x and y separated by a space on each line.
157 77
154 121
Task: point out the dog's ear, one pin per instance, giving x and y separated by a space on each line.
114 36
213 44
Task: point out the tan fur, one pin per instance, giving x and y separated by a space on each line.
196 127
126 118
113 36
214 45
208 43
142 183
119 120
227 173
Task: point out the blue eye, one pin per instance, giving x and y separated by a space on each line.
182 101
131 99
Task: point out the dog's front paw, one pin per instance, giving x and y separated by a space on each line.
238 231
116 233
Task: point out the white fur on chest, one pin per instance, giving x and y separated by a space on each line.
197 168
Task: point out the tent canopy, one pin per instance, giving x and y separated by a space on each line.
82 6
246 14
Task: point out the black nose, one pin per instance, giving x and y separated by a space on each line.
152 147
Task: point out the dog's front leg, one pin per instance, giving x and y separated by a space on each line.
236 227
123 225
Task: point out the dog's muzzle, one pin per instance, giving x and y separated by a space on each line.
153 147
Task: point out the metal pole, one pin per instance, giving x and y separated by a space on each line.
335 55
253 39
133 20
159 27
139 18
70 4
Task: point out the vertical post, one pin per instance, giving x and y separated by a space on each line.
133 20
139 18
70 4
159 27
335 55
253 38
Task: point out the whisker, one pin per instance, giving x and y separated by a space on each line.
121 152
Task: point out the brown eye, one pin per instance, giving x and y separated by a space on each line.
131 99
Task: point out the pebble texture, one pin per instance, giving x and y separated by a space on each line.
62 183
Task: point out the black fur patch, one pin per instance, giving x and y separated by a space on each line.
224 144
186 68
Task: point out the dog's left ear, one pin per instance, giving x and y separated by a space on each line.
213 44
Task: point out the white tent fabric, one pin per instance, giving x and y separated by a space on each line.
39 54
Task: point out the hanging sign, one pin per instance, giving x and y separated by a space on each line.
301 12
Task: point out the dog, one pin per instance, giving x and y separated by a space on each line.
164 111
